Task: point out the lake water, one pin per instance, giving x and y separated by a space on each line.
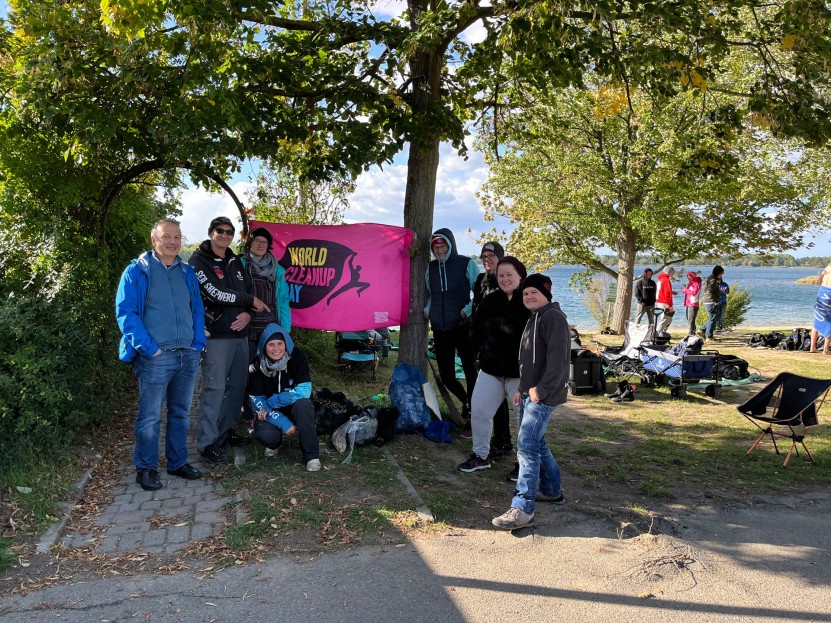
777 300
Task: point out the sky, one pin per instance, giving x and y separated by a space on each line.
379 198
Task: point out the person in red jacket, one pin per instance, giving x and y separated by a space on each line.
663 300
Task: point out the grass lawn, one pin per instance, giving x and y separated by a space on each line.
653 452
646 456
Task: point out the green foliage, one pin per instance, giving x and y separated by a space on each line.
612 167
7 556
59 371
280 196
739 301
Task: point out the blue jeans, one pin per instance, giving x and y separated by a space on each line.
722 310
712 319
537 466
168 377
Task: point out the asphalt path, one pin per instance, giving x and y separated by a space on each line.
765 561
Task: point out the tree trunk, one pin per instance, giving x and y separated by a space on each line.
625 275
420 194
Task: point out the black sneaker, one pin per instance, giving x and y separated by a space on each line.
559 499
514 475
148 479
212 454
235 440
467 431
474 464
495 453
186 471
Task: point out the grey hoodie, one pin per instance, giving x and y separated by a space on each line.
544 355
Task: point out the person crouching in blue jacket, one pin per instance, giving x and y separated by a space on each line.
279 393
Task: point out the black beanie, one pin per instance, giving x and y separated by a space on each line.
540 282
275 336
495 248
519 266
220 220
258 231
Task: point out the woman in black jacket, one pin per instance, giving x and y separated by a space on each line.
497 330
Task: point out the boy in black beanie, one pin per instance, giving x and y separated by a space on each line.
543 384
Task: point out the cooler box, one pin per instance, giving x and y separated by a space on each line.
587 374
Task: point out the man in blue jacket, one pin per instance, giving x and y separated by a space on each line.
160 313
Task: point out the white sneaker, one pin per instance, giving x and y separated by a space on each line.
270 454
513 519
313 465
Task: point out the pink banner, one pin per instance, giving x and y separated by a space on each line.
344 277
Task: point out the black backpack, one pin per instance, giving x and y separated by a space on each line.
732 368
797 339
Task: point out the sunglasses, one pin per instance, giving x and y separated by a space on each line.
224 232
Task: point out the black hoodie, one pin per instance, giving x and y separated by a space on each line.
226 289
496 334
645 290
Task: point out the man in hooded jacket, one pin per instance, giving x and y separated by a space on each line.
645 291
450 280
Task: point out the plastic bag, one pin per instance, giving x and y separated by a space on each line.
358 430
407 396
438 431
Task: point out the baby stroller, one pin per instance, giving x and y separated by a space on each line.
682 365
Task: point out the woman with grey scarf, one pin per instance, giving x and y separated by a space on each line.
269 285
279 394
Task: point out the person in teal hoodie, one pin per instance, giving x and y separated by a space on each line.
279 394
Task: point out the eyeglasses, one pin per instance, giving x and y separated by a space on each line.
259 241
224 232
487 256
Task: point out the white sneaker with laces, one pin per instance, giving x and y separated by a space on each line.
513 519
313 465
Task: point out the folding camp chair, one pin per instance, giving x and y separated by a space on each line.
356 354
787 402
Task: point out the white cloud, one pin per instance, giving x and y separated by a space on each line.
476 33
388 8
199 208
379 198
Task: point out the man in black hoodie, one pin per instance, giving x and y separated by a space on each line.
645 294
228 295
450 280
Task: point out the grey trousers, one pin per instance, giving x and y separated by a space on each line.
645 309
665 321
224 376
488 394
